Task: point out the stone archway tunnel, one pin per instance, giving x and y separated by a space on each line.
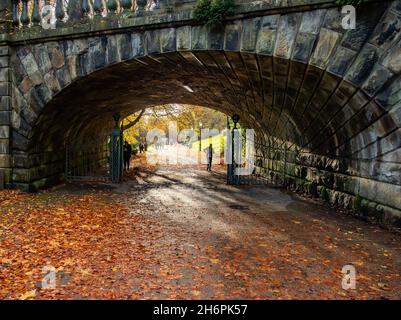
329 97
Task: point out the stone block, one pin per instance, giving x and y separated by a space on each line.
4 146
4 118
56 54
19 72
363 65
4 132
376 80
215 39
124 44
325 46
392 60
5 103
76 47
5 161
286 34
22 175
138 44
312 21
168 40
63 76
4 74
183 37
42 58
152 42
5 177
333 19
112 50
26 85
250 29
52 82
29 63
4 51
199 35
232 37
71 62
4 62
341 61
303 47
4 88
390 95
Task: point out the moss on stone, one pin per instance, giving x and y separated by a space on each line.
357 202
323 194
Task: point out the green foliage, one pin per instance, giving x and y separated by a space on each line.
213 12
351 2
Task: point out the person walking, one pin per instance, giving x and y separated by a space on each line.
209 155
127 150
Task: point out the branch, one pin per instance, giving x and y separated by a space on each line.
132 123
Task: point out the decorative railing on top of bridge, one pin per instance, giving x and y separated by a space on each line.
32 13
29 13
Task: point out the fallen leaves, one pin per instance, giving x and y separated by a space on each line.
100 244
28 295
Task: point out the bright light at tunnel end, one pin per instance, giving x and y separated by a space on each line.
168 147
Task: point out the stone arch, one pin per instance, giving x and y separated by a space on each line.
332 96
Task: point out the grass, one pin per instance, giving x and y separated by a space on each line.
217 142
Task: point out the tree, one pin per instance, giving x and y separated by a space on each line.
130 123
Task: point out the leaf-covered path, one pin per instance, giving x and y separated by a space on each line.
180 232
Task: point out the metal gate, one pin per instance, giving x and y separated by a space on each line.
86 161
241 157
98 160
116 155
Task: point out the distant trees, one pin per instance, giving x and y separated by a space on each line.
137 125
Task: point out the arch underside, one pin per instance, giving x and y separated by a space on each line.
331 96
308 107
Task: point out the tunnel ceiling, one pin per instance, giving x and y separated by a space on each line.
284 99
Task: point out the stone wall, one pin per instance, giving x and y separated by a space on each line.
5 112
353 185
5 104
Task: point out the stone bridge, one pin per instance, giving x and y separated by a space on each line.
325 99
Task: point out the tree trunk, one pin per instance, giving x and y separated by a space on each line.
132 123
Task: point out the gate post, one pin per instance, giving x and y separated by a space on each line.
116 150
116 156
5 118
284 164
233 179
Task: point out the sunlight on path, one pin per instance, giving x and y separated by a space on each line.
181 232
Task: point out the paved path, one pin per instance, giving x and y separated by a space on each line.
181 232
258 242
